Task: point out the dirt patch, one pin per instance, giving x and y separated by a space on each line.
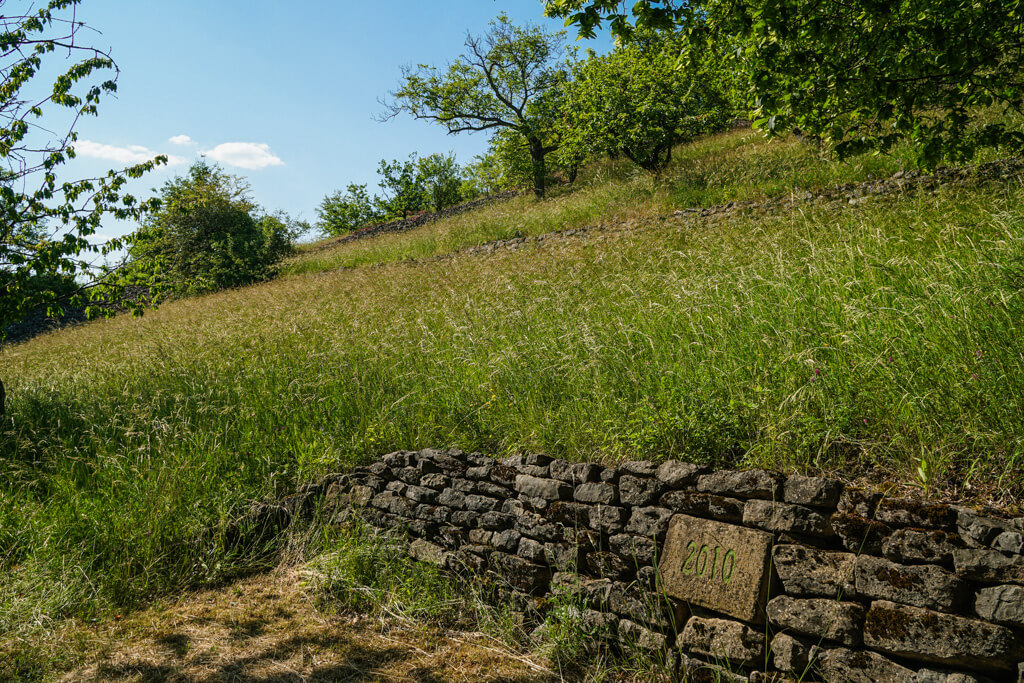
267 628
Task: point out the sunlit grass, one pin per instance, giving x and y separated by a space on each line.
835 338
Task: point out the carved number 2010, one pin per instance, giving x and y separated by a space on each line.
701 561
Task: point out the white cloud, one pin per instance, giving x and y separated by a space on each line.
132 154
182 140
250 155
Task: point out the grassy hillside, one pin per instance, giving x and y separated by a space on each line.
881 340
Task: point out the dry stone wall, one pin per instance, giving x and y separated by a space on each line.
728 575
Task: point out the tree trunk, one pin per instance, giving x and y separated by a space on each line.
540 173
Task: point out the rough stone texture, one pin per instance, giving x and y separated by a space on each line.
698 671
521 574
810 572
1009 542
531 550
637 549
649 522
708 505
424 551
978 530
608 565
607 518
636 636
639 468
796 519
495 520
989 566
733 581
859 502
452 498
744 484
723 639
819 617
572 515
916 513
479 473
547 489
630 601
596 492
860 534
918 585
934 676
919 545
816 491
1001 604
435 481
528 516
932 637
676 474
861 666
562 556
507 540
792 655
639 491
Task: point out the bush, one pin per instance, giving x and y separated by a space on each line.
207 235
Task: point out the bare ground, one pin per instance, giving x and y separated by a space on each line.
267 628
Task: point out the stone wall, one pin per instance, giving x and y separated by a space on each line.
403 224
729 575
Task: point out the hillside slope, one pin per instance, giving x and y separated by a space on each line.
878 338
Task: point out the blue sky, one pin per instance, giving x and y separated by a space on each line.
281 93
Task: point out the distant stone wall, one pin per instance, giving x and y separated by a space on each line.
729 575
403 224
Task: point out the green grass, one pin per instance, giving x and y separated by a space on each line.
737 165
862 340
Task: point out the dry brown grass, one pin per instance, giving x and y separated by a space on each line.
266 628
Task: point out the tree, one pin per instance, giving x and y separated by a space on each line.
861 74
46 222
503 80
637 101
208 234
403 191
441 178
340 213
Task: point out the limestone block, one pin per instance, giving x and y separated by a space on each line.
811 572
719 566
919 585
723 639
816 491
676 474
819 617
860 534
989 566
860 666
744 484
916 513
547 489
704 505
651 522
1001 604
785 517
919 545
596 492
639 491
944 639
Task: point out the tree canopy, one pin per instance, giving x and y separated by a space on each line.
505 79
638 102
46 221
208 234
862 74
